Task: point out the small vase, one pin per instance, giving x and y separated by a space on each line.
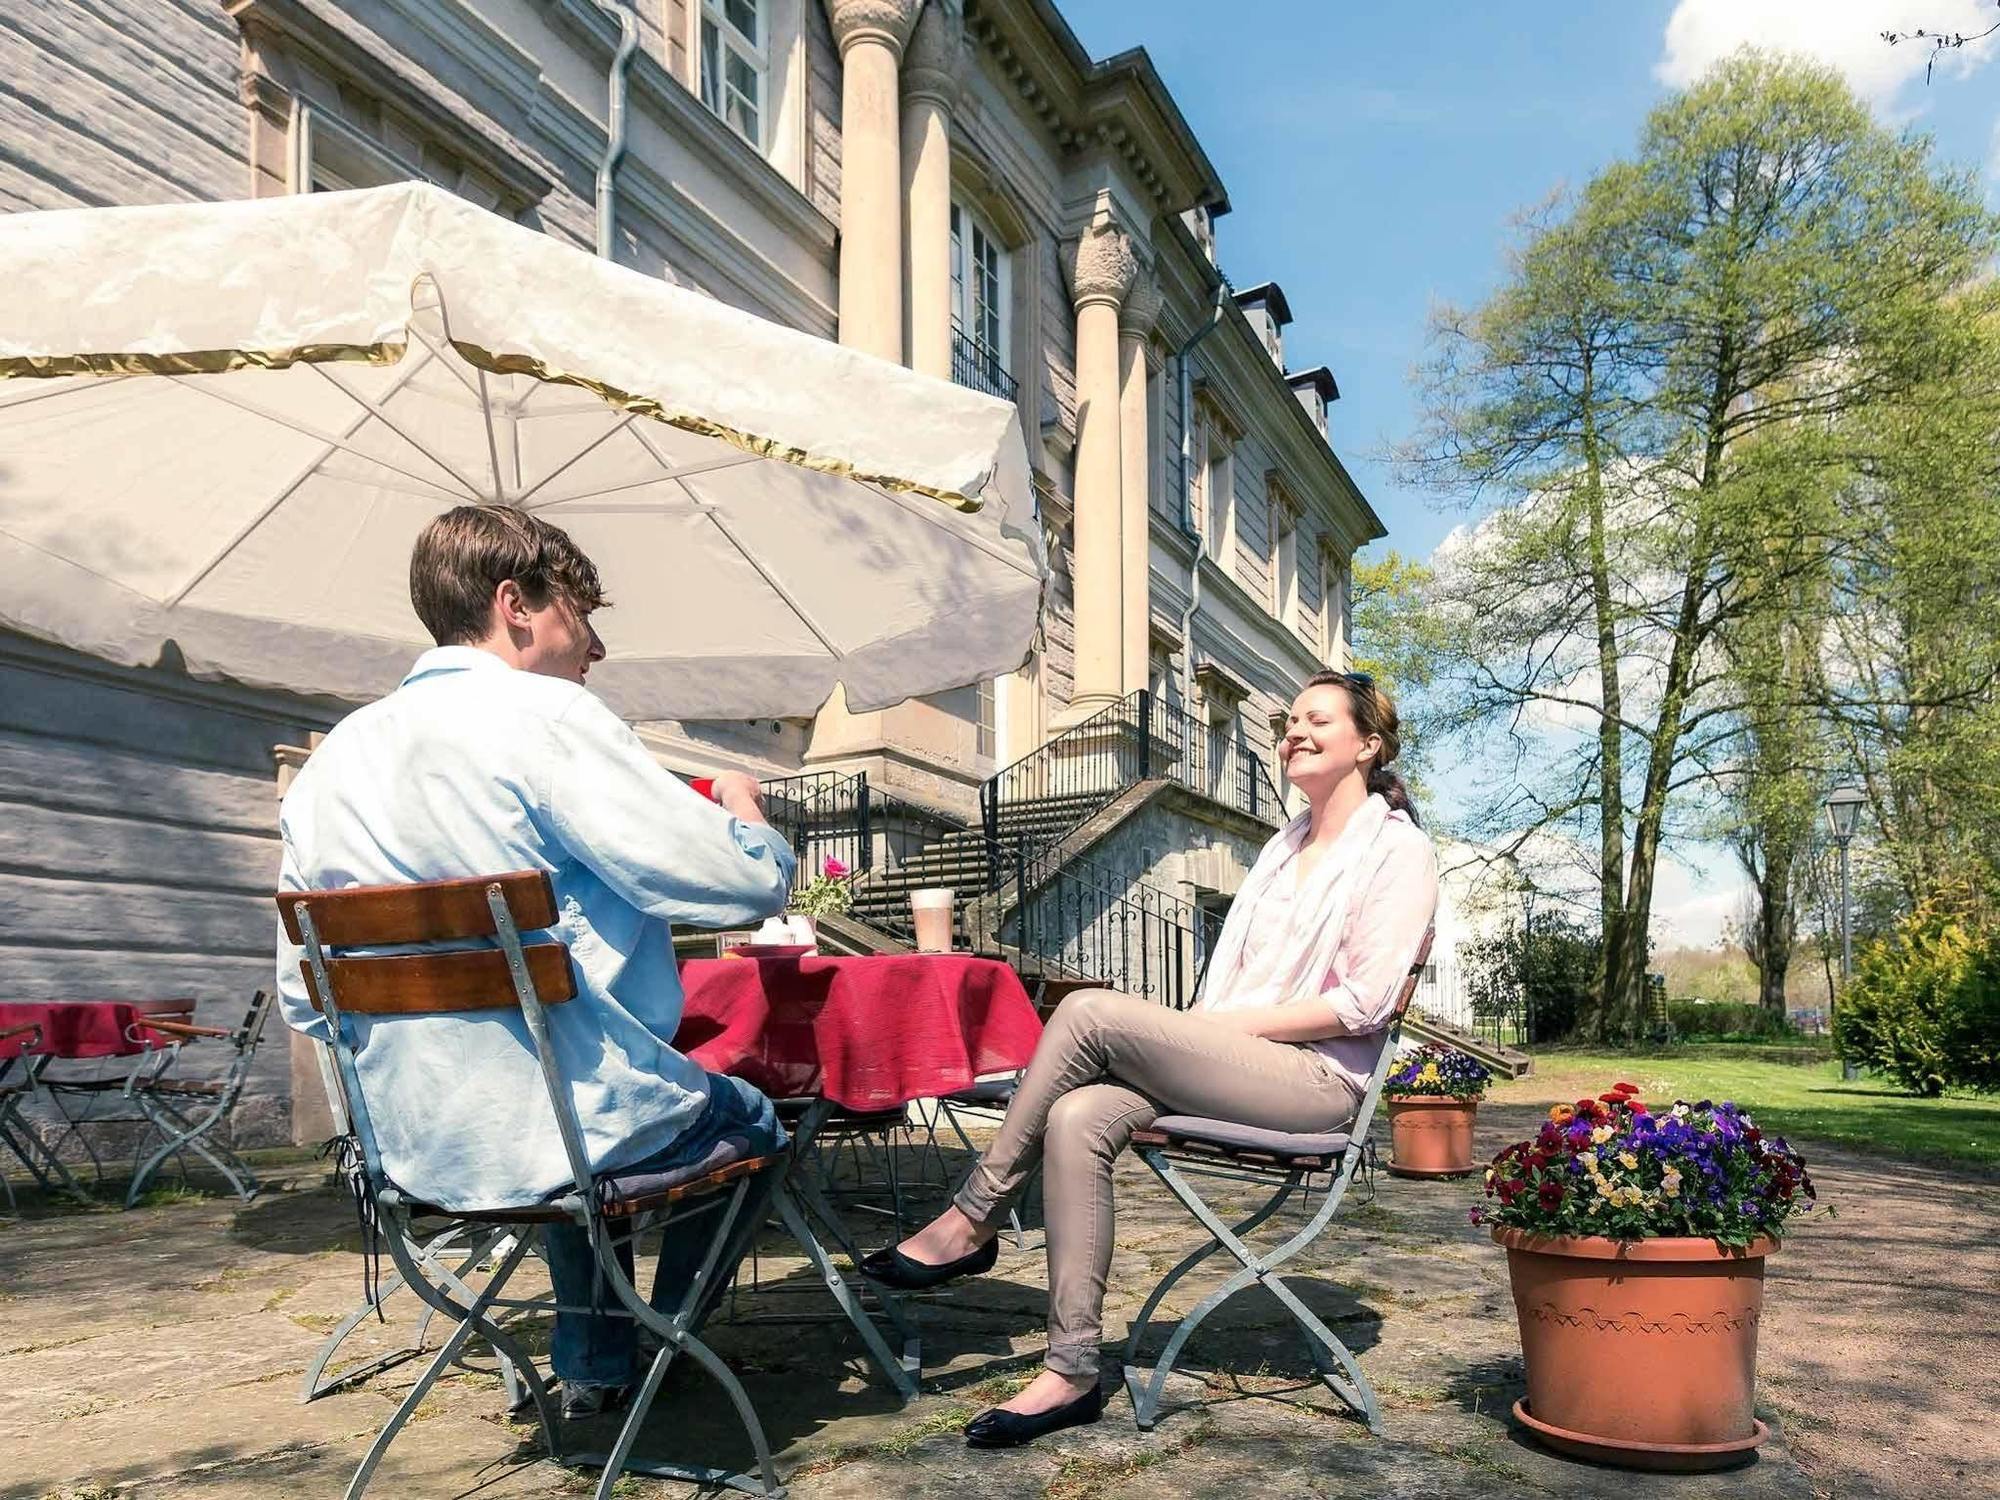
1639 1353
1430 1136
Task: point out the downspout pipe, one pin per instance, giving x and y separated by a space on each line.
1187 490
614 127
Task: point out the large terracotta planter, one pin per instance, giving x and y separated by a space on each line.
1430 1136
1640 1353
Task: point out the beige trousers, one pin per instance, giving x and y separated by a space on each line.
1108 1064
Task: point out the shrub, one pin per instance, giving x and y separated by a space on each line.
1924 1006
1695 1018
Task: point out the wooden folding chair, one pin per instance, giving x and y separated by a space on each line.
186 1111
1177 1146
613 1209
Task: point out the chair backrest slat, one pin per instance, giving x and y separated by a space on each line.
370 916
415 984
1416 975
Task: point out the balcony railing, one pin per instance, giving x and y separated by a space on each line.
1139 738
979 368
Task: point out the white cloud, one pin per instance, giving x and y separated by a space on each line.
1845 34
1692 902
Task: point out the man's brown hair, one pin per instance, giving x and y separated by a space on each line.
470 550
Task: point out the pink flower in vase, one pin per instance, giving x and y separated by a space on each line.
834 869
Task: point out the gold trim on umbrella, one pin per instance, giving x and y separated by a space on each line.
221 361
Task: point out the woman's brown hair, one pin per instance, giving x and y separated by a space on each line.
1374 713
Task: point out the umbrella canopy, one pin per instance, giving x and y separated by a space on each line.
222 427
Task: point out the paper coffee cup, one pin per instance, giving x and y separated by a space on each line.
931 910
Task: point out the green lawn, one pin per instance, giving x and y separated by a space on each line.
1808 1102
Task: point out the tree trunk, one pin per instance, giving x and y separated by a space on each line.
1610 732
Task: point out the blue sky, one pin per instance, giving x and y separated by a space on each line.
1376 154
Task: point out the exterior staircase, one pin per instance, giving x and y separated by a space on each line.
1505 1061
1025 892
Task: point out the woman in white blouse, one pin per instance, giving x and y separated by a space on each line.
1293 1015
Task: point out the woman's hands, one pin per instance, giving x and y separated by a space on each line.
1310 1020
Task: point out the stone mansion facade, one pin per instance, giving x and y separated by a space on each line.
953 184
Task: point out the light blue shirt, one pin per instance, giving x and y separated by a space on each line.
474 768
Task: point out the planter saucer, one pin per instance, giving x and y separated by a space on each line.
1396 1171
1672 1457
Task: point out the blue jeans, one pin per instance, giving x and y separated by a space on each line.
601 1348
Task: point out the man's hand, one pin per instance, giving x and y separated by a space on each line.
740 795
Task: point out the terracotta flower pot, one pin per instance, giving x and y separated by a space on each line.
1641 1353
1430 1136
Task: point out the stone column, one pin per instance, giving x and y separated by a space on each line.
1101 267
930 89
1135 325
871 34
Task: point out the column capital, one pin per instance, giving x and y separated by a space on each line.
887 21
934 56
1141 307
1101 265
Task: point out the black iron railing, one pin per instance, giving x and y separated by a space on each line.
1056 788
1129 936
979 368
829 815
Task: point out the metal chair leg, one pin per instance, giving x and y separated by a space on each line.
897 1370
426 1257
470 1320
182 1134
1256 1269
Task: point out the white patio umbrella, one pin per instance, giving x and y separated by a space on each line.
223 425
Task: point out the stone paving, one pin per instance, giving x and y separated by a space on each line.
157 1354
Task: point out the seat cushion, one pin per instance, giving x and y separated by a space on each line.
986 1091
1230 1136
729 1158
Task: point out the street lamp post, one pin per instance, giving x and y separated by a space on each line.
1843 810
1527 1022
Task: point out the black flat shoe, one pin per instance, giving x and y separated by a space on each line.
896 1270
1010 1429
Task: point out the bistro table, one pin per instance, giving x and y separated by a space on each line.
42 1032
865 1034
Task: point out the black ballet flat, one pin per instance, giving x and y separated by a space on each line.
895 1270
1010 1429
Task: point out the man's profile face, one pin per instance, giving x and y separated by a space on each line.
562 643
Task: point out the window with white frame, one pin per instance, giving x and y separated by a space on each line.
1285 562
986 738
980 294
1219 519
735 65
1333 606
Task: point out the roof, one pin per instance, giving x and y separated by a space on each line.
1319 377
1272 296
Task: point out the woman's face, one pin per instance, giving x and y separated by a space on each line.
1321 745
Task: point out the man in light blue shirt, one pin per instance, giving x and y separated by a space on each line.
492 756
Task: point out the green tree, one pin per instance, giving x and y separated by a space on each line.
1659 388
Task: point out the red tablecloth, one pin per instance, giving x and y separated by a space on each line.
868 1033
86 1028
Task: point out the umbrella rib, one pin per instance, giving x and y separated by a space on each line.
306 471
63 388
637 484
492 439
765 573
930 512
387 421
588 448
214 394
